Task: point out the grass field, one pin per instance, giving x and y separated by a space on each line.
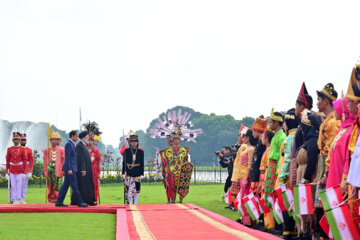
95 226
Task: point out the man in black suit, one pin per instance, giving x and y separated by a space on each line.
70 169
84 174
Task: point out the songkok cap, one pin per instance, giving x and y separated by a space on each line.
23 136
16 135
328 92
134 138
83 134
260 124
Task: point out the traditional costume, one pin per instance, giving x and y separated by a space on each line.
176 126
292 122
327 133
133 170
339 158
303 99
260 126
274 156
236 174
17 167
30 164
95 155
54 158
353 94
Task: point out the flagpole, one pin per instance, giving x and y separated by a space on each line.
80 120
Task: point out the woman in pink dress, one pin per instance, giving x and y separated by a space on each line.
338 159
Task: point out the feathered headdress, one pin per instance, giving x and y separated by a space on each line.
176 125
93 129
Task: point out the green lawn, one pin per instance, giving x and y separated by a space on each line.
95 226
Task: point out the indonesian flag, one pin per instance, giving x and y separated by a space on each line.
303 202
278 191
259 206
325 226
270 201
288 198
341 223
265 208
277 213
253 209
331 197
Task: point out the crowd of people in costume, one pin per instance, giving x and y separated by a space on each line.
78 165
296 173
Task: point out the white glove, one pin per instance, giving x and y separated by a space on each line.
124 176
7 176
24 176
29 175
141 177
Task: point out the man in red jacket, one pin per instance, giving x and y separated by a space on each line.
30 164
16 166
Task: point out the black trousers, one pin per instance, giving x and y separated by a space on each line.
227 183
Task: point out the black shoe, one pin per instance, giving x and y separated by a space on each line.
232 208
93 204
228 206
72 203
82 205
60 205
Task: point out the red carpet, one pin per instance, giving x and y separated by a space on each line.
158 221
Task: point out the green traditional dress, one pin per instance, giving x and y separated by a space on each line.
274 157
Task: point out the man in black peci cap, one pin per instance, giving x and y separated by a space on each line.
133 169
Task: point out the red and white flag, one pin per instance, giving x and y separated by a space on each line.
252 208
277 213
341 223
259 206
331 197
278 191
270 201
326 227
303 202
265 208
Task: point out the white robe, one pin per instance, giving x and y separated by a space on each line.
354 170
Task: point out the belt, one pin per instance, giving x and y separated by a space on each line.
16 164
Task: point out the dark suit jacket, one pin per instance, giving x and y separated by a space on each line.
70 157
83 157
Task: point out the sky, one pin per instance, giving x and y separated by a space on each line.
125 62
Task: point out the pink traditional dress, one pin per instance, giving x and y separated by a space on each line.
245 162
338 160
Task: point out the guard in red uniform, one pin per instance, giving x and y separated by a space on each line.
30 163
16 165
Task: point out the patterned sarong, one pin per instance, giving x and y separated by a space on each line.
131 186
270 178
54 183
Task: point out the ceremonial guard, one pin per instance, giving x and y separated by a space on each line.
133 169
17 168
177 175
54 159
30 163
